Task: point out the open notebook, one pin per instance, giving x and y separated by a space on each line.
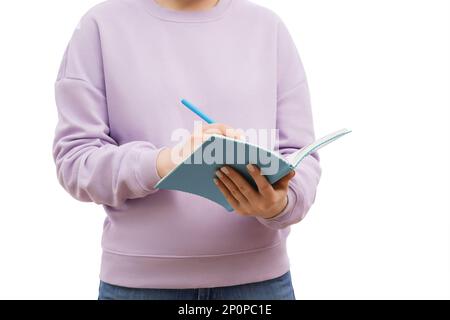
196 173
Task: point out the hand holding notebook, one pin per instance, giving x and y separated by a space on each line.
196 172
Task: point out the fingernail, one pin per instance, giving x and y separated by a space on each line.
225 170
219 174
216 182
250 167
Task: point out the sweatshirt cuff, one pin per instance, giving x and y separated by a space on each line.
146 170
279 221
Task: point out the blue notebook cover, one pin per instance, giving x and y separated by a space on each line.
196 173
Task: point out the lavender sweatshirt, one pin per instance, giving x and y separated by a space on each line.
125 69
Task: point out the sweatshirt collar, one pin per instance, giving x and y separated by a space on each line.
167 14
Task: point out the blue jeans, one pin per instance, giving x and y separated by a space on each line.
275 289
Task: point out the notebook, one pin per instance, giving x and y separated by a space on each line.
196 172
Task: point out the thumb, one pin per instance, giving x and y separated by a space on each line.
283 183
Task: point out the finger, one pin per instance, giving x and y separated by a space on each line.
192 144
225 130
283 183
211 131
242 185
264 186
237 194
222 128
237 134
205 134
227 194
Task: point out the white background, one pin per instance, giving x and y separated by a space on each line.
380 225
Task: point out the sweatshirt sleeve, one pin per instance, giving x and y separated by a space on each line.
295 128
90 164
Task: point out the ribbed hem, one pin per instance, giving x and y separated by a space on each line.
196 272
146 168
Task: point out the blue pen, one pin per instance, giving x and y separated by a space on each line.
197 111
